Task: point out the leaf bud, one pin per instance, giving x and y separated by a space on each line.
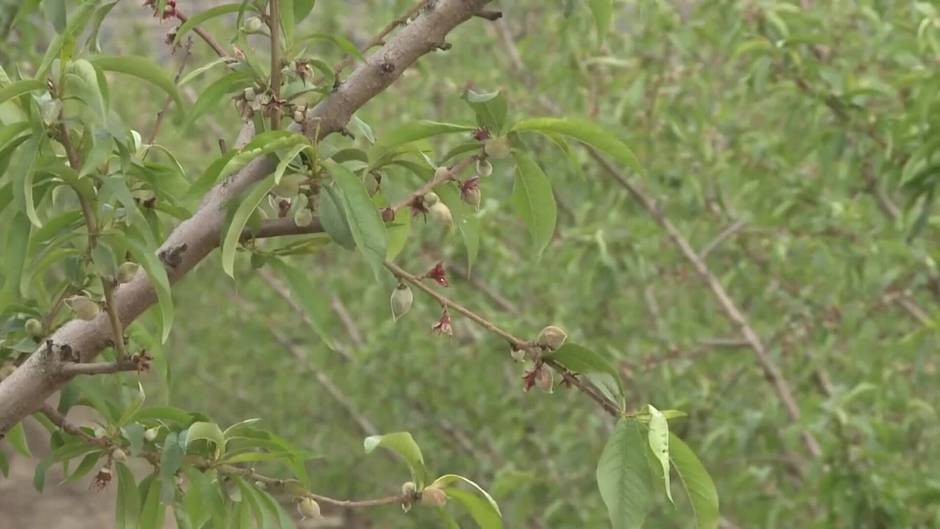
402 298
551 337
127 271
308 508
83 307
433 497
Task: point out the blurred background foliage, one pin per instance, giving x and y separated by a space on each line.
790 142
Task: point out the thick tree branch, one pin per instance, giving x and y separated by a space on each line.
32 383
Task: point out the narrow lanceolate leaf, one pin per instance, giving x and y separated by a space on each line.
490 108
208 431
141 68
246 207
410 132
157 273
14 257
366 225
581 360
697 483
171 459
23 169
19 88
262 144
659 443
623 476
603 13
303 291
17 438
333 216
213 94
77 21
533 201
403 444
481 506
587 132
202 17
127 510
152 512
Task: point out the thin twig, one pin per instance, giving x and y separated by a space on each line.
62 422
379 38
214 44
98 368
169 99
722 237
349 323
439 178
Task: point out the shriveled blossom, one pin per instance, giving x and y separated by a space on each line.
169 8
438 274
417 206
481 134
443 325
101 480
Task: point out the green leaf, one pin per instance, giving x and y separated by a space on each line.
213 94
152 512
208 431
14 257
141 68
481 506
398 231
75 25
287 22
533 201
580 359
340 42
333 216
658 437
587 132
697 483
403 444
412 132
303 291
19 88
367 227
202 17
237 226
17 438
83 468
157 273
623 476
262 144
55 12
490 109
171 459
23 168
302 8
603 11
127 513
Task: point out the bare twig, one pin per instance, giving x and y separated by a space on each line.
169 99
722 237
214 44
379 37
98 368
62 422
348 322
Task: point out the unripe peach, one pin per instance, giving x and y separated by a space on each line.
497 148
484 168
119 455
441 214
433 497
308 508
303 218
552 337
83 307
34 328
127 271
402 298
473 196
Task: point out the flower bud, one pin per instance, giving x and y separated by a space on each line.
308 508
119 455
83 307
473 196
431 198
253 25
303 218
127 271
544 379
150 434
408 489
440 213
34 328
433 497
497 148
484 168
402 298
551 337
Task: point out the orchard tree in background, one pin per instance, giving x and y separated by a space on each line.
100 221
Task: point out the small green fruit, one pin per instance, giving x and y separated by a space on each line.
441 173
552 337
308 508
473 196
253 25
484 168
151 433
119 455
402 298
34 328
83 307
433 497
431 198
441 214
497 148
127 271
303 218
